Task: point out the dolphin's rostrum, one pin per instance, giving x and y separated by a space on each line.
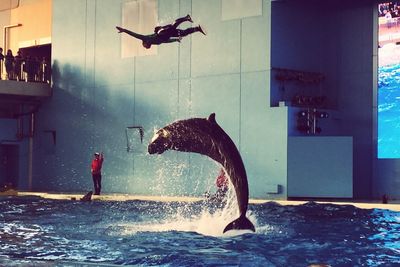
206 137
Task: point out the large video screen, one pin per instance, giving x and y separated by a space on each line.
389 80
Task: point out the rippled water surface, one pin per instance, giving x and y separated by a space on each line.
42 232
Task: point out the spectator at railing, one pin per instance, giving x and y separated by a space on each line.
9 63
24 67
388 17
381 9
36 69
1 62
30 69
18 60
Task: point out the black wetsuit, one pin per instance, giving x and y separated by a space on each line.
164 34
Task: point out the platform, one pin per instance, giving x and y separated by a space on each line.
395 206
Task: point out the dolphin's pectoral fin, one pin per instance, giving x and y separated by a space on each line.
241 223
211 118
87 197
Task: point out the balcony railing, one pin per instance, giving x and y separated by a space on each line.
28 70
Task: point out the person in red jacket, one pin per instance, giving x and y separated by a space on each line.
218 200
222 184
97 163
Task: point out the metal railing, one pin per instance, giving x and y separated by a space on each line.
27 70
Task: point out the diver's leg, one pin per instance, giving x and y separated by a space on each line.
181 20
94 183
183 33
99 184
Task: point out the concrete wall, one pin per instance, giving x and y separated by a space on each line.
356 72
97 95
336 39
320 167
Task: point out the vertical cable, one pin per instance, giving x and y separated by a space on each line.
94 61
134 75
190 65
134 92
240 85
134 107
85 53
178 76
190 86
179 59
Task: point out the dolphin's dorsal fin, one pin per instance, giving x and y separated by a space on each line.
211 118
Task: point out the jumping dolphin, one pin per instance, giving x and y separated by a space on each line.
206 137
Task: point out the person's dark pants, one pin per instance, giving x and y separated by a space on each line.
97 183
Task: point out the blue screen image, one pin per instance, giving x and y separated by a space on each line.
389 111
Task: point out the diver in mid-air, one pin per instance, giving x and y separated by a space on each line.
164 34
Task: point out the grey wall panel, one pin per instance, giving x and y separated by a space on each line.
97 94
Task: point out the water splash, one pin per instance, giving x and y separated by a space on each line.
209 221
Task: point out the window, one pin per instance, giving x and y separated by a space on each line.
9 4
138 16
236 9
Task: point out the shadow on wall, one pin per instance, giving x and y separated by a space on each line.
86 118
89 118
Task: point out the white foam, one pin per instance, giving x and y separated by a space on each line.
205 223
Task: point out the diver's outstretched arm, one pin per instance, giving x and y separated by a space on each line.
134 34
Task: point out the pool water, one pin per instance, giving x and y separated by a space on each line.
44 232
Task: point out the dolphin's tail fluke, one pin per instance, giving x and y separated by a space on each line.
241 223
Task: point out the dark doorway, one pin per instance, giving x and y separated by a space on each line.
9 154
39 51
33 64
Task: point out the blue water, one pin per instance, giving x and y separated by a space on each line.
43 232
389 111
